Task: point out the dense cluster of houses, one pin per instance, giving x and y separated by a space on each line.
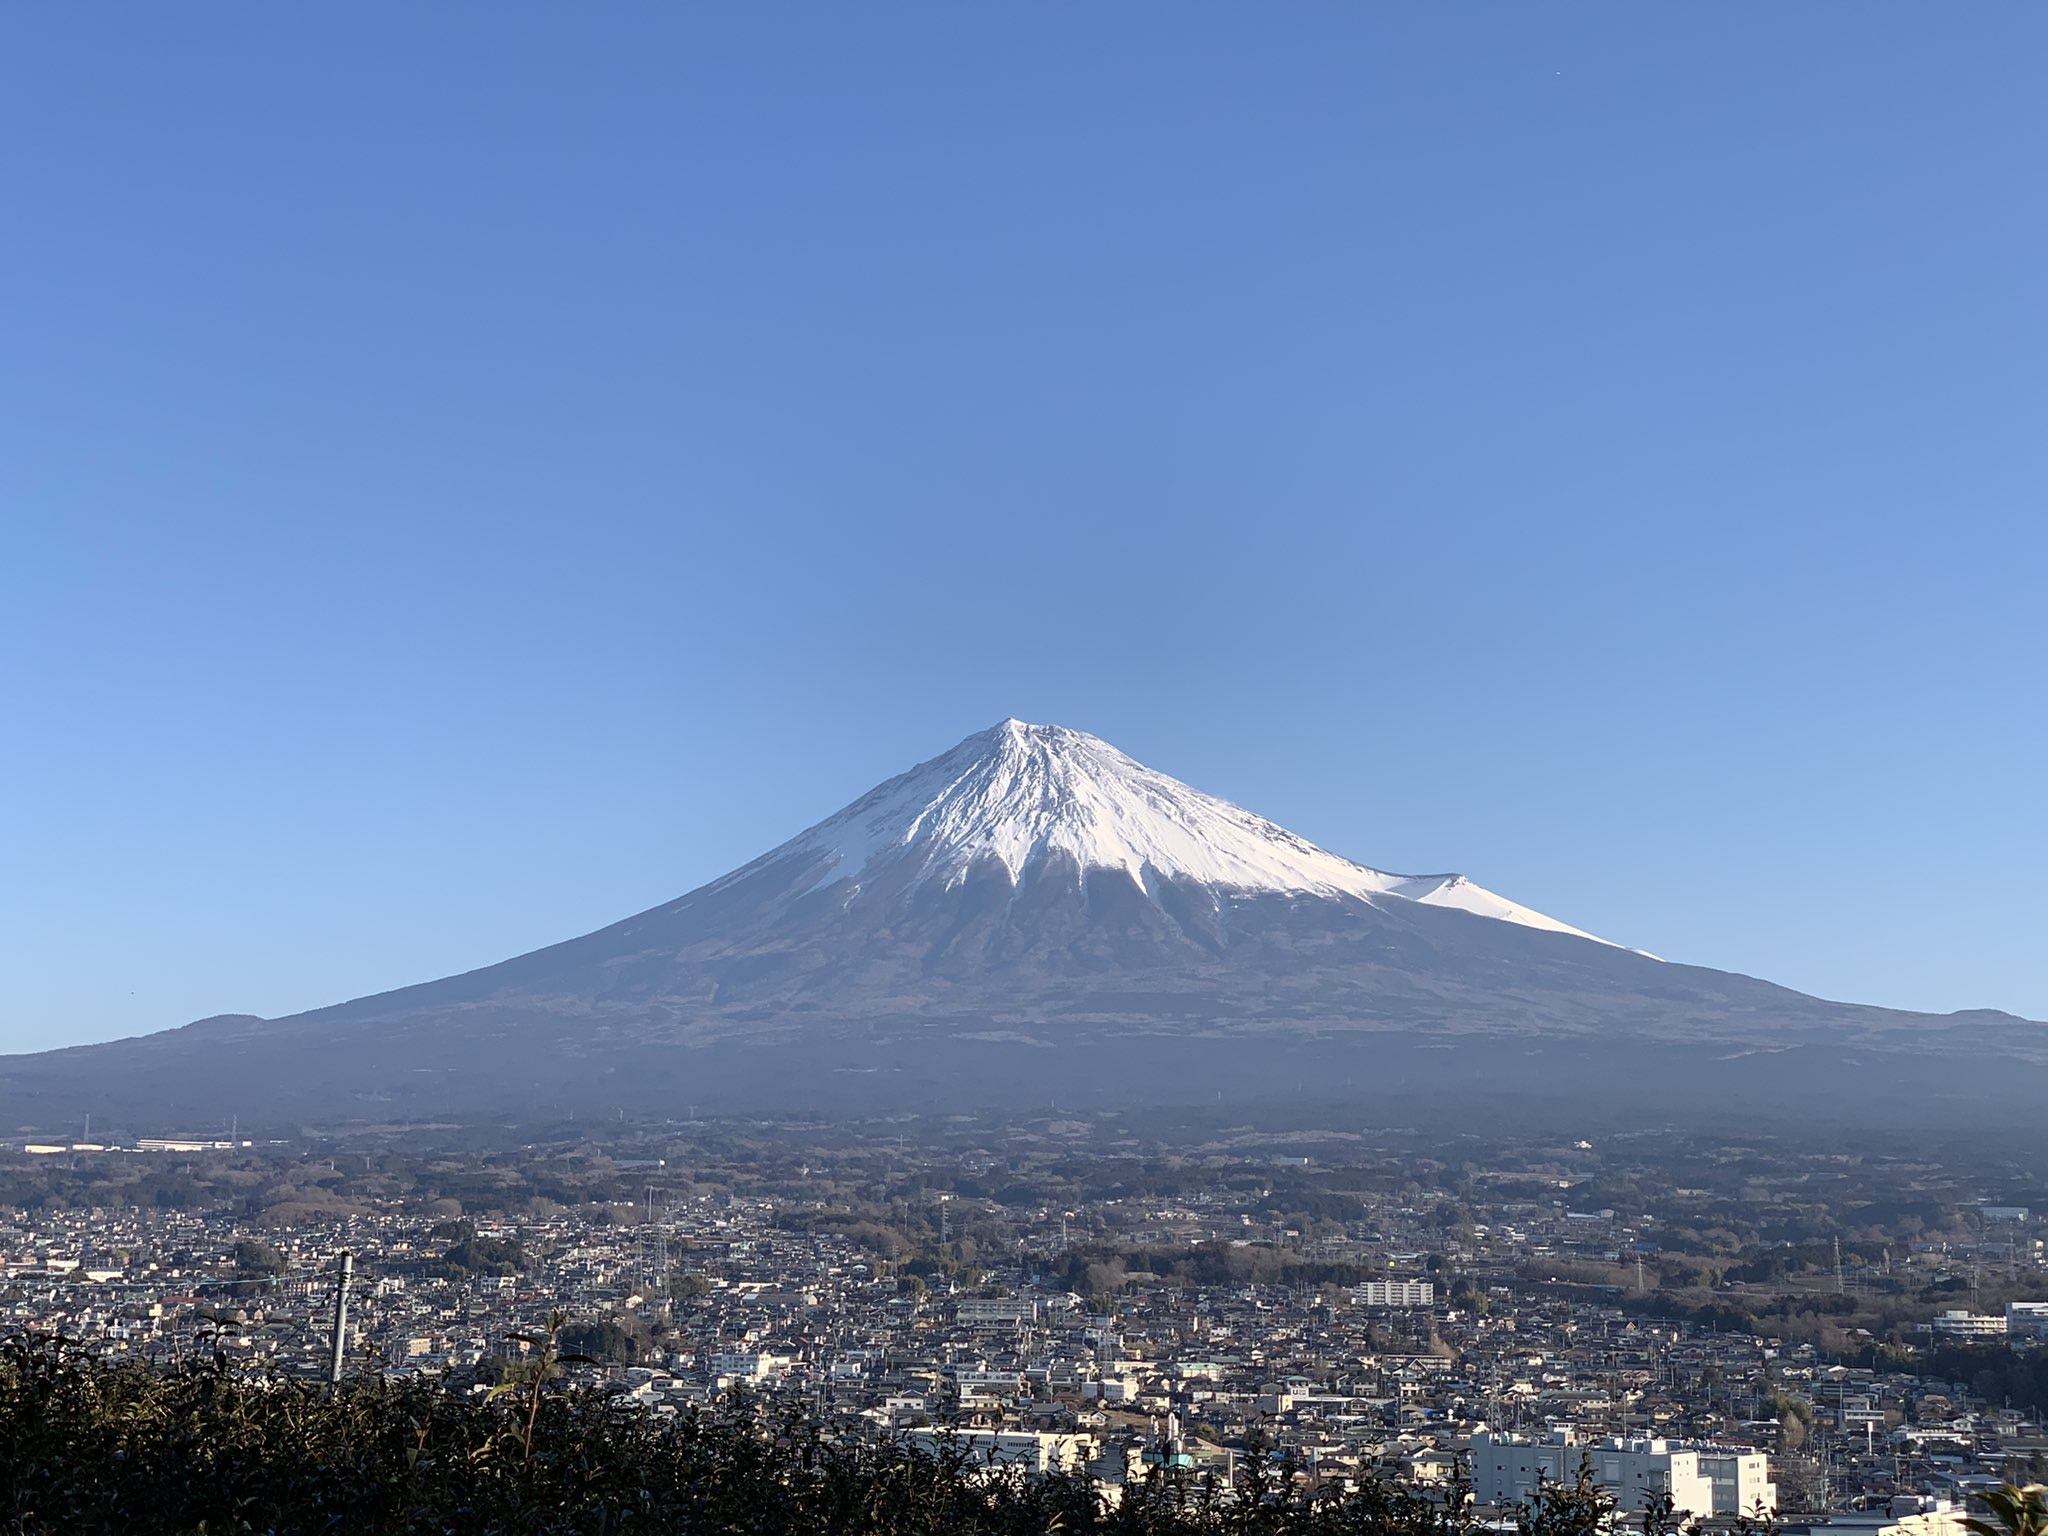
1498 1383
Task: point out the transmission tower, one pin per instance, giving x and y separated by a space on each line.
654 1250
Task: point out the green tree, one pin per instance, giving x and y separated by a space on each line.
255 1259
2014 1511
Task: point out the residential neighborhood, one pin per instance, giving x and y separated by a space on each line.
1461 1352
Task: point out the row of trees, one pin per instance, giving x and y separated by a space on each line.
1101 1269
91 1446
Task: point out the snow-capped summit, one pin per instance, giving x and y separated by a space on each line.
1041 798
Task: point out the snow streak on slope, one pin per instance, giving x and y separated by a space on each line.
1025 796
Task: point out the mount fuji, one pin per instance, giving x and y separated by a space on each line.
1033 916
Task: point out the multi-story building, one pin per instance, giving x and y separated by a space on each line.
1959 1324
1741 1480
1702 1480
995 1313
1395 1293
2026 1319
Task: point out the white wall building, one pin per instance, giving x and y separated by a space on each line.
749 1367
2026 1319
1395 1293
1741 1479
1959 1324
992 1312
1933 1517
1702 1480
1110 1389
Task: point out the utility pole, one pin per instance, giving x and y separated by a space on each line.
348 1269
1840 1286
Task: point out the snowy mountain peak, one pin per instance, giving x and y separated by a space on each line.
1043 798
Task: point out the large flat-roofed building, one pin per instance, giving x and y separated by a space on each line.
1701 1479
1906 1516
1962 1324
995 1313
2026 1319
1395 1293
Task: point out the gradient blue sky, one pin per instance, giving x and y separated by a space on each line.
471 472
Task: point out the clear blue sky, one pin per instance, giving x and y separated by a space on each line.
471 472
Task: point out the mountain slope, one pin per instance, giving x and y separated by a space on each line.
1034 915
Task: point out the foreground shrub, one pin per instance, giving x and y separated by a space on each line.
88 1446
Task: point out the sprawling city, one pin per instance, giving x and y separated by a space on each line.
1822 1337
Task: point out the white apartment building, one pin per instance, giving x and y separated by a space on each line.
1702 1480
2026 1319
749 1367
1741 1479
990 1312
1960 1324
1395 1293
